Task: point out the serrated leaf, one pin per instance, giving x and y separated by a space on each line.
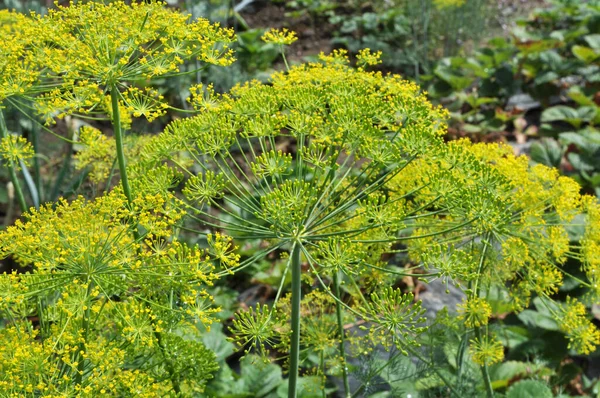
547 152
561 113
260 379
571 137
579 163
529 389
217 341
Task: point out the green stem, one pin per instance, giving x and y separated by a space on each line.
35 132
485 371
287 67
121 161
85 326
295 342
116 122
12 169
484 368
340 324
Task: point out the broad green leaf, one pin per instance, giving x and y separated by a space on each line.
593 41
513 336
562 113
508 370
259 378
217 341
571 137
587 113
308 387
577 95
471 128
451 76
585 54
529 389
537 319
547 151
579 163
559 113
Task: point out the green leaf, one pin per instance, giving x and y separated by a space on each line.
585 54
308 387
534 318
579 163
217 341
445 72
471 128
571 137
529 389
547 152
577 95
561 113
259 378
512 336
587 113
593 41
508 370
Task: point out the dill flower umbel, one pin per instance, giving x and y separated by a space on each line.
14 149
282 37
111 307
475 312
96 47
486 350
583 336
20 63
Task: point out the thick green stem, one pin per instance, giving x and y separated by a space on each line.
121 161
340 324
13 170
295 342
116 122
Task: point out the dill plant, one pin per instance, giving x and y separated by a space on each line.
106 55
111 299
335 169
20 79
341 169
101 313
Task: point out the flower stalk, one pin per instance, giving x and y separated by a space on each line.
12 169
295 342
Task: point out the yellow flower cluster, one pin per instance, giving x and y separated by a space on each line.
475 312
486 350
93 48
282 37
583 336
111 302
20 66
367 58
15 148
